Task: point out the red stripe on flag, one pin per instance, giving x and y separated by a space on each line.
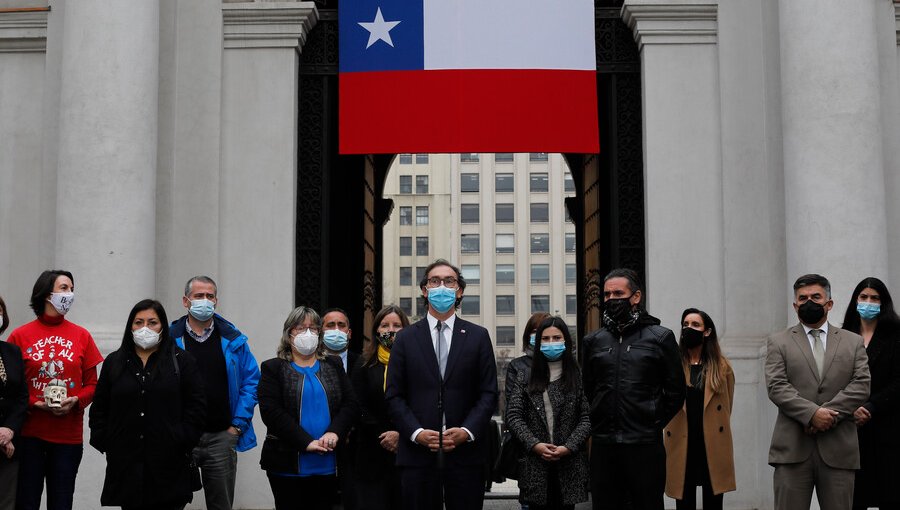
468 111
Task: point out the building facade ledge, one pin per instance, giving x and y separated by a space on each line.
23 32
672 21
268 24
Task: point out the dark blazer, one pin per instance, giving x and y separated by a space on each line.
14 393
470 390
147 427
372 462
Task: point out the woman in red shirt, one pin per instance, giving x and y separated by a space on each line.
61 354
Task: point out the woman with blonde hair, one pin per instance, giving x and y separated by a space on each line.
698 439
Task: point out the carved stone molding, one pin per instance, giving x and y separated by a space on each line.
897 18
672 21
268 24
23 32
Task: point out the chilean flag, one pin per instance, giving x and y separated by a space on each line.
432 76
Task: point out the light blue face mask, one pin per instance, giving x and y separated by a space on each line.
335 340
441 298
531 340
868 311
553 350
202 309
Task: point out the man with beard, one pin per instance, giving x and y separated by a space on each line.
634 382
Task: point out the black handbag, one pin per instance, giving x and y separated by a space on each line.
507 463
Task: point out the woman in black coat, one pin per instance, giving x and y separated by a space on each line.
148 414
13 403
375 472
871 314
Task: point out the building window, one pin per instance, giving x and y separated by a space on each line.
471 273
570 242
405 276
422 215
505 243
504 213
537 156
570 273
468 157
506 305
405 184
420 274
540 243
540 273
406 306
506 273
540 213
422 306
569 183
405 215
405 246
568 218
503 157
540 303
468 213
571 304
468 183
422 246
506 335
406 159
469 243
471 305
421 159
539 182
422 184
503 183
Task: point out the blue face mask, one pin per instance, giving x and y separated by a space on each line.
553 351
868 311
531 340
202 309
441 298
335 339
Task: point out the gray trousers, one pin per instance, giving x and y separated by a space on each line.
794 485
217 459
9 478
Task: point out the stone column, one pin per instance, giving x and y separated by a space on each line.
106 183
833 154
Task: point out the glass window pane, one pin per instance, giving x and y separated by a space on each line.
503 183
537 156
421 159
422 246
570 273
505 243
421 306
540 243
540 303
468 183
406 306
405 215
472 273
504 213
405 276
405 246
540 213
571 304
469 243
506 305
420 274
468 213
570 242
406 159
506 335
506 273
539 182
422 215
471 305
540 273
405 184
468 157
503 157
422 184
569 183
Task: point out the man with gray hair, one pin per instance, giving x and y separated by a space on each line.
230 376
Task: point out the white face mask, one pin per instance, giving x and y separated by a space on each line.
62 301
305 342
145 338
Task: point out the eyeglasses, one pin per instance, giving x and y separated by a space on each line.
448 281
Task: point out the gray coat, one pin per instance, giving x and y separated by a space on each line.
526 420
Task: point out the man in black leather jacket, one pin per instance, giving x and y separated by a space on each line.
635 384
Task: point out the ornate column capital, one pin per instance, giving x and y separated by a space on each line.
283 24
672 21
23 31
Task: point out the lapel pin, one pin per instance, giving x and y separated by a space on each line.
462 331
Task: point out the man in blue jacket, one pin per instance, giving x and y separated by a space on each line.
230 376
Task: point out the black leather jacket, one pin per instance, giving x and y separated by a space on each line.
634 382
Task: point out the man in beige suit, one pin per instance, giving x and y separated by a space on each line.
817 375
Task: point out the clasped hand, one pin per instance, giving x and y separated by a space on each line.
549 452
327 443
453 437
824 419
66 406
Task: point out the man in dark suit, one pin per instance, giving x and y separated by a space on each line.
442 361
818 375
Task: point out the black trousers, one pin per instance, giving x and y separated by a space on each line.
463 488
623 473
308 492
689 501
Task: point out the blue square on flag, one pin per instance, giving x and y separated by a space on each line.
382 35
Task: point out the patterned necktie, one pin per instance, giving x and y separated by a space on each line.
2 370
818 349
441 348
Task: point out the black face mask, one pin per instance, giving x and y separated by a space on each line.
691 338
811 312
619 309
387 339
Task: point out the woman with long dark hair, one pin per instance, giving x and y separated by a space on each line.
148 414
62 358
375 470
698 441
13 403
871 314
549 414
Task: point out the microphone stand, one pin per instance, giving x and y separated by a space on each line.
440 452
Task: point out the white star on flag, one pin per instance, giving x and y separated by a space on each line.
379 29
